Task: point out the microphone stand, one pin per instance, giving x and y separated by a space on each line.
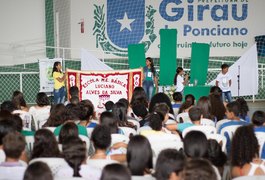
238 81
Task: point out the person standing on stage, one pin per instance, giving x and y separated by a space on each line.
179 80
59 85
150 78
224 81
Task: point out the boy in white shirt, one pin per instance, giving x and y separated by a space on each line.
224 81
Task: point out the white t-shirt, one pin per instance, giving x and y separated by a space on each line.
179 86
223 81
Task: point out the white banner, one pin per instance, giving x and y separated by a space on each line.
229 26
46 79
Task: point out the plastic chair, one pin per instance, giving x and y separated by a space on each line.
85 139
50 128
219 123
230 130
99 163
115 138
205 129
144 128
55 164
250 178
261 139
207 122
29 142
220 139
89 131
185 117
128 131
170 121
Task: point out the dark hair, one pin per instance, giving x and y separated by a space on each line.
17 122
42 99
74 100
161 108
215 154
4 114
14 144
140 110
109 105
88 103
199 169
56 116
179 69
206 108
190 98
108 119
74 150
87 110
243 107
139 155
101 137
38 170
160 98
18 100
245 146
223 66
177 96
45 144
74 91
72 112
8 106
233 107
139 97
169 161
68 130
216 91
184 106
218 108
152 65
54 69
6 126
125 102
195 113
195 144
258 118
156 121
115 172
119 111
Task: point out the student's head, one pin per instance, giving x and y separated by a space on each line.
195 113
205 105
74 100
109 105
258 118
42 99
169 164
101 137
140 110
13 145
6 126
72 112
139 155
115 171
156 121
243 107
216 91
119 111
17 122
68 130
177 96
18 99
74 150
87 110
160 98
56 115
125 102
224 68
57 66
179 71
139 97
74 91
245 146
232 110
108 119
190 98
163 109
45 144
87 103
215 154
4 114
38 170
195 144
8 106
199 169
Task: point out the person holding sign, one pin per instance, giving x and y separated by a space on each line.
179 80
149 79
59 85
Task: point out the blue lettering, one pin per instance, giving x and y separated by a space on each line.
244 12
201 9
178 11
224 10
187 29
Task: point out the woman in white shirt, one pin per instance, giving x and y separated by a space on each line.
179 80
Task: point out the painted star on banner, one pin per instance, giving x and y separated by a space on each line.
125 22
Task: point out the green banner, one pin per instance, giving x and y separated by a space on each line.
136 55
199 63
168 56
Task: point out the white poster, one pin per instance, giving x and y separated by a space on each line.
46 79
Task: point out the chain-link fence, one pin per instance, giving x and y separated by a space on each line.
25 77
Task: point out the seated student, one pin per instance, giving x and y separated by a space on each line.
86 114
177 97
258 120
245 158
56 116
119 111
140 111
72 114
108 119
73 95
14 146
232 114
68 130
243 106
101 139
198 169
38 170
115 171
8 106
75 154
169 164
109 105
218 108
